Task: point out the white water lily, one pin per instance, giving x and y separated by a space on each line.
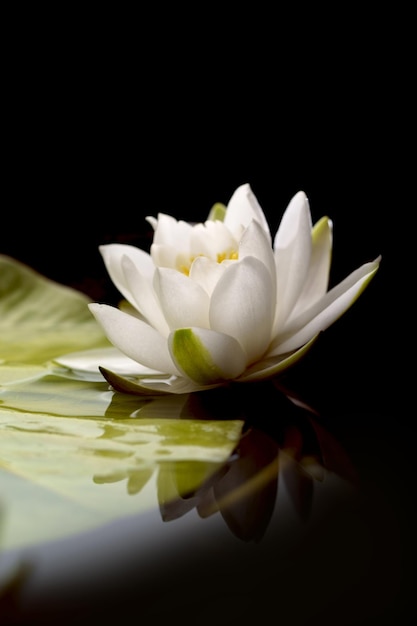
222 300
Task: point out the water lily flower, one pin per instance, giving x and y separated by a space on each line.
222 301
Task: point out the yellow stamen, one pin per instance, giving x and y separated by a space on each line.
231 255
184 269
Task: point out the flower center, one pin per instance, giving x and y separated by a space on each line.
227 255
232 255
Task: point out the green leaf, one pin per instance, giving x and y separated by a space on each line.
40 319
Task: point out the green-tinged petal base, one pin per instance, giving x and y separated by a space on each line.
268 368
205 356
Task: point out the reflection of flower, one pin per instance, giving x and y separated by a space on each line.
220 301
243 488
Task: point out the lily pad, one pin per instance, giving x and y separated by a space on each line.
41 319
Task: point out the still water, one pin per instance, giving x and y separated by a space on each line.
235 506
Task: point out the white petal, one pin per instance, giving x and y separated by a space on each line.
165 256
135 338
243 207
201 242
88 361
292 246
242 305
182 300
211 239
206 272
112 256
143 297
206 356
317 280
255 243
326 311
153 221
169 231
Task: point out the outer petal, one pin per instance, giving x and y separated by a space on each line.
135 338
143 297
326 311
292 246
153 386
112 256
87 360
275 365
255 243
242 306
183 301
317 280
205 356
243 207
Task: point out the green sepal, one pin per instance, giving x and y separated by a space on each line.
129 385
217 212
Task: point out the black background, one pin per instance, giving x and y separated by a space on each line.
107 123
99 135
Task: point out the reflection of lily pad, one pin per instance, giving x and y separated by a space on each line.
71 471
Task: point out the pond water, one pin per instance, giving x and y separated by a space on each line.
236 506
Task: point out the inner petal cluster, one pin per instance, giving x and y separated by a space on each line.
184 264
